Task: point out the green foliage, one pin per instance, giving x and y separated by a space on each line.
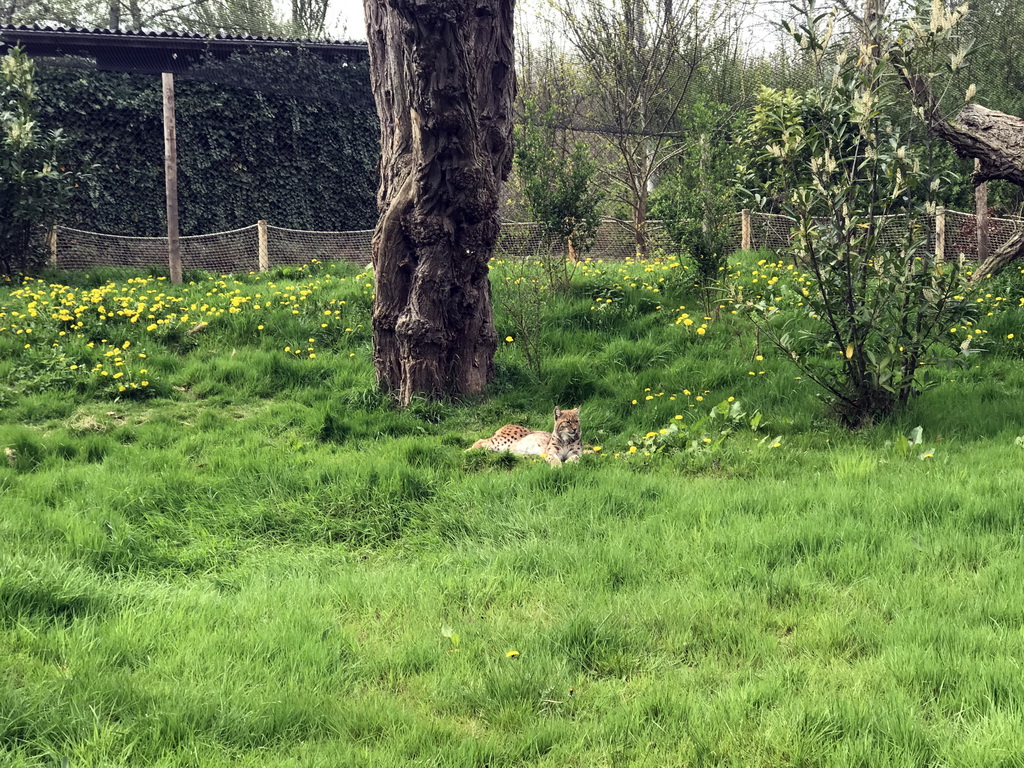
702 438
768 177
521 293
221 575
697 200
561 193
286 137
879 303
33 186
913 446
558 182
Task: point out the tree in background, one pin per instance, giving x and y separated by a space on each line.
993 138
696 198
443 79
640 58
559 183
308 18
33 186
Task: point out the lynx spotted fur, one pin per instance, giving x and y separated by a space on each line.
563 443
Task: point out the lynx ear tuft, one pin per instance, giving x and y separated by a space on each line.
558 412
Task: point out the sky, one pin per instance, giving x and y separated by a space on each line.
348 21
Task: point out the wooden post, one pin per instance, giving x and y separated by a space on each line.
981 216
745 229
171 176
263 250
51 240
940 233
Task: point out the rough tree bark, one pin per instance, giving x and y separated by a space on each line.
994 139
443 79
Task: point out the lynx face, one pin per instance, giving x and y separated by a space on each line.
567 425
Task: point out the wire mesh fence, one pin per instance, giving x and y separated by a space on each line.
615 240
959 231
260 246
962 232
299 246
224 252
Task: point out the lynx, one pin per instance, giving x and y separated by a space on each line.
563 443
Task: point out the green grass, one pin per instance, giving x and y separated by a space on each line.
256 560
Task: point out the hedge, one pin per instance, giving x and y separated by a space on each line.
282 136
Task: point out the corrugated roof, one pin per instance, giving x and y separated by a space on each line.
158 50
173 35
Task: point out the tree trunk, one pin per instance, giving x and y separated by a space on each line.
1008 252
443 79
136 13
994 139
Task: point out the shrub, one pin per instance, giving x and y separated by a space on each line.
33 187
558 183
877 303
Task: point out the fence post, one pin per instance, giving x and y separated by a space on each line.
51 240
263 250
745 229
981 215
171 180
940 233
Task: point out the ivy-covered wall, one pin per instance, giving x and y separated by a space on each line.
281 136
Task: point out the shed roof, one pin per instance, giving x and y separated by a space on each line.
157 50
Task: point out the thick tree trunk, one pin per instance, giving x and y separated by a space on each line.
443 79
1008 252
994 139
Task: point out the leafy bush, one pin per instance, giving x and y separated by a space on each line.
282 136
697 200
877 302
702 437
558 183
33 186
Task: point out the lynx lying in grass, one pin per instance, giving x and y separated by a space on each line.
563 443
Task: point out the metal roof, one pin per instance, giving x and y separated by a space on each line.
157 50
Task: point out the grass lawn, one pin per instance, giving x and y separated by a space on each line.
227 548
